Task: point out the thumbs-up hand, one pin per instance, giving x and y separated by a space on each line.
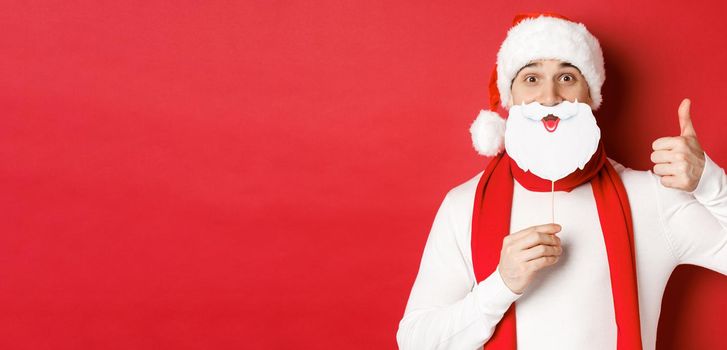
679 160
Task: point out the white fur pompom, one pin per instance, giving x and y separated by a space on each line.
488 133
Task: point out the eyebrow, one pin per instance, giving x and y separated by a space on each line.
567 64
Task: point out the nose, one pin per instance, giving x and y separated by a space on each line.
549 95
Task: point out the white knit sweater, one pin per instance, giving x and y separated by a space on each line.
568 305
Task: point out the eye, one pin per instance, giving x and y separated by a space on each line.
530 79
567 78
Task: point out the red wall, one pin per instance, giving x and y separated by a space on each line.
210 174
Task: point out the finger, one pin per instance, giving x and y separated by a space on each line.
539 228
547 228
663 157
666 143
670 181
665 169
542 262
539 251
685 120
534 239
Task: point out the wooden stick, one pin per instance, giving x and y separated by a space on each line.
552 202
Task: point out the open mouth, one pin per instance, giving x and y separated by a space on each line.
550 122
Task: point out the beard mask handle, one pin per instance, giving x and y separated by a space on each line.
552 201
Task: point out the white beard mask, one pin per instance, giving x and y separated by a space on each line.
551 142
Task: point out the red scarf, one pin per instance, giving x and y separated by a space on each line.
491 222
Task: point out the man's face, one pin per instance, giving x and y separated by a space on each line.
547 133
549 82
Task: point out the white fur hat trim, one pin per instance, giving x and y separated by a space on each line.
550 38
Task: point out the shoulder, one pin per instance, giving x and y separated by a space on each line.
463 195
646 186
634 180
457 208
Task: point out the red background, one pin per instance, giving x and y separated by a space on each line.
261 175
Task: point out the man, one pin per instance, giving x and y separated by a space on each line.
576 261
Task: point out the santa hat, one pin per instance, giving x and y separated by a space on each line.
536 36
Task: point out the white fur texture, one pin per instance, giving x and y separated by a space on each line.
488 133
550 38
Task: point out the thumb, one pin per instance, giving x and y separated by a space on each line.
685 121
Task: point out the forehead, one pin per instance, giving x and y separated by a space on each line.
548 64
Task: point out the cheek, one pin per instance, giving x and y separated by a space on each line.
585 93
521 94
579 91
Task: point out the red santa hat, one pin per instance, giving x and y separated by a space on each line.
536 36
